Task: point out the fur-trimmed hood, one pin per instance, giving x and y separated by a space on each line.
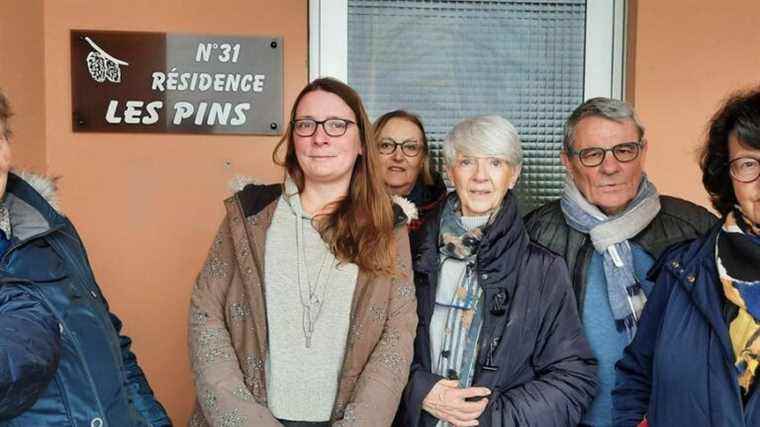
404 210
43 184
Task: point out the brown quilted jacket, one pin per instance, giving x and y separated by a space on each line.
228 331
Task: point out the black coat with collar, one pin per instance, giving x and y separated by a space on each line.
532 353
678 221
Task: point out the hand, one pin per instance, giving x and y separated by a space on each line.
446 401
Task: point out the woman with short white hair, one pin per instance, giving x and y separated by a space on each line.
499 341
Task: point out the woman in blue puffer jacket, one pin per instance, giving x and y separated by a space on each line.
63 361
694 359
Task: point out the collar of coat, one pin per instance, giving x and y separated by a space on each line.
500 251
44 185
32 202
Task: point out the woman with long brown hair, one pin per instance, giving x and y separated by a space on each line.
304 313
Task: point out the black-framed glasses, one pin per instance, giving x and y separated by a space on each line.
410 147
744 169
594 156
332 127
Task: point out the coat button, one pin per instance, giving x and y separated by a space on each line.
96 422
690 278
498 303
484 276
675 264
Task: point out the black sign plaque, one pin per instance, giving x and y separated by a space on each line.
176 83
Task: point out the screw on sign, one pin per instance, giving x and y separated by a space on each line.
103 66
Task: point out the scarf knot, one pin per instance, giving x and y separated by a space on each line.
610 236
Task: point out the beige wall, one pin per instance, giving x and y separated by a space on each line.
148 205
22 67
688 56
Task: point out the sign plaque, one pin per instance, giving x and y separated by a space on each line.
176 83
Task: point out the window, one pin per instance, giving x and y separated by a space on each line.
532 62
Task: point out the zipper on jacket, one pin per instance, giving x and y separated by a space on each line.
579 275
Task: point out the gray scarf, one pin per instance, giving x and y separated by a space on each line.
610 237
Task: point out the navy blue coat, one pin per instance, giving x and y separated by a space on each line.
678 371
62 359
532 353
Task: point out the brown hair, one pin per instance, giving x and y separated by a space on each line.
359 228
5 114
738 114
427 176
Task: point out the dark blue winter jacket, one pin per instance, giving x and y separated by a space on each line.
62 359
679 370
532 354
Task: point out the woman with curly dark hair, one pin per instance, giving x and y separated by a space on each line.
694 360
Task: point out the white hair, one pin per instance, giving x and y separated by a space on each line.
484 136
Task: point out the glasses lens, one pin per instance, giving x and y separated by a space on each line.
745 169
336 127
626 152
591 156
411 149
386 147
305 127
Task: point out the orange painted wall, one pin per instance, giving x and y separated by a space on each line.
22 65
688 56
148 205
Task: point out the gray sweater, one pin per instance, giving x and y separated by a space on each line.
302 382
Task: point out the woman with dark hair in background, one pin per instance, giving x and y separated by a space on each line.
304 314
694 359
405 160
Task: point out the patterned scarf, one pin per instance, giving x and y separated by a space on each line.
737 255
610 237
465 310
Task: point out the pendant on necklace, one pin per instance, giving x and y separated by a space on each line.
308 327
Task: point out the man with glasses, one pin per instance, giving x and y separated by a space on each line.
610 225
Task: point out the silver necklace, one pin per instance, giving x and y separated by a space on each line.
311 293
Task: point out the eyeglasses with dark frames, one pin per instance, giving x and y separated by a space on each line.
594 156
410 147
744 169
332 127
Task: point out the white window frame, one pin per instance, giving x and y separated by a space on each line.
604 59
